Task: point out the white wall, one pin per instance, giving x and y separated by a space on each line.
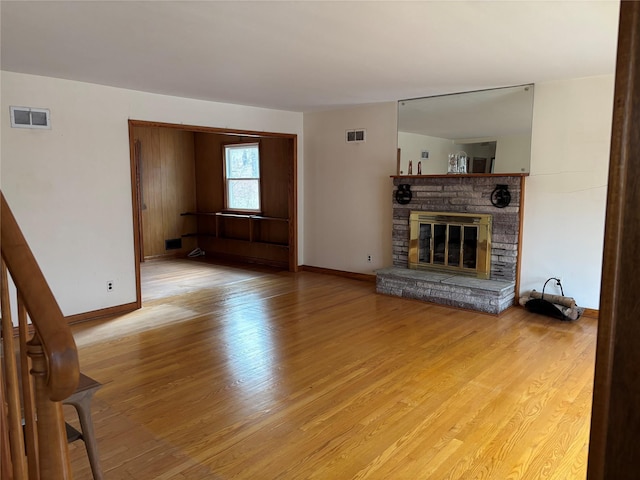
70 187
411 146
565 193
348 189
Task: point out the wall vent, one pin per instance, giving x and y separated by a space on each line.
358 135
173 244
27 117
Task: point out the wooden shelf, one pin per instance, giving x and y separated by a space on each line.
250 216
217 233
196 234
198 213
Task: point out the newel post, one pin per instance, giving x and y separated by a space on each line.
52 436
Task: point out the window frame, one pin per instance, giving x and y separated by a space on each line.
226 179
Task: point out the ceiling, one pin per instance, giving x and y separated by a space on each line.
309 55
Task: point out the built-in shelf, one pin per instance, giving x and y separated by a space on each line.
218 231
196 234
198 213
250 216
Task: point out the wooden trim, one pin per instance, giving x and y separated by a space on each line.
225 179
520 230
176 254
367 277
293 208
88 316
616 394
591 313
458 175
139 192
201 129
135 206
103 312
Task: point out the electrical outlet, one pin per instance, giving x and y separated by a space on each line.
369 258
110 286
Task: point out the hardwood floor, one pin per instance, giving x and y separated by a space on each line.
263 374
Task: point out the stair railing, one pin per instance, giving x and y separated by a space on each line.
38 372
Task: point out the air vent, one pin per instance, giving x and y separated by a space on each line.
173 244
356 136
27 117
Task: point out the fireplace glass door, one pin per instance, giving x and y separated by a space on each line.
448 244
458 242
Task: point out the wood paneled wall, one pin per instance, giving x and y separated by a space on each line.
168 188
276 163
181 170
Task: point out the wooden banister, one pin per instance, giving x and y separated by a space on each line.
57 341
49 369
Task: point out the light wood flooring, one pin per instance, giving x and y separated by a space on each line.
262 374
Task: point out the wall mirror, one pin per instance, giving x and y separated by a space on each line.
492 128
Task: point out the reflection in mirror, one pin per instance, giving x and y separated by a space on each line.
490 128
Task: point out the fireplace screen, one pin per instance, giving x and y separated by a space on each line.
459 242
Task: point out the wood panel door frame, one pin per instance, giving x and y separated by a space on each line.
615 419
292 193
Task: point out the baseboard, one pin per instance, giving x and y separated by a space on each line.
87 316
339 273
164 256
103 312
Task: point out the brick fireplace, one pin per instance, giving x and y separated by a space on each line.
466 194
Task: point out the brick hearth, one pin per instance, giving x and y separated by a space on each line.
460 194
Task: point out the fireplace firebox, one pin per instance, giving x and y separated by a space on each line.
455 242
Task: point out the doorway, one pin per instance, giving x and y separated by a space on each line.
178 191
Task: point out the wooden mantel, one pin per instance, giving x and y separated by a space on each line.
457 175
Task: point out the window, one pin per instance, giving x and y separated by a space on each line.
242 177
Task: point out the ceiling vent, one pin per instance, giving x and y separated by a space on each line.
27 117
356 136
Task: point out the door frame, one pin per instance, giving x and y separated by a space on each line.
136 181
615 417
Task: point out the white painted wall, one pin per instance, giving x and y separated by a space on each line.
565 193
70 187
348 189
348 192
411 146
